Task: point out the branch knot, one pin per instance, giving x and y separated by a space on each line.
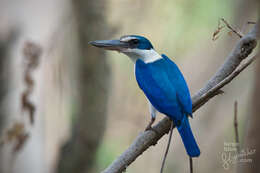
247 46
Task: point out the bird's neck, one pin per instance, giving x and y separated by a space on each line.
147 56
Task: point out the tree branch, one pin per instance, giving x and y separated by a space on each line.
236 127
226 73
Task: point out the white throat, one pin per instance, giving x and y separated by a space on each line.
148 56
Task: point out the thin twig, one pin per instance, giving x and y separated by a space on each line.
167 148
236 127
215 35
239 34
191 165
220 27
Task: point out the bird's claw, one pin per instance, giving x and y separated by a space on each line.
151 129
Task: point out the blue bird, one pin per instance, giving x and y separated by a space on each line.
161 81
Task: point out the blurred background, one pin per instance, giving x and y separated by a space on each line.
85 103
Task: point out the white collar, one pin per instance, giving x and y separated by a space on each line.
148 56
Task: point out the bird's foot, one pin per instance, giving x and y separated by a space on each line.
152 129
149 126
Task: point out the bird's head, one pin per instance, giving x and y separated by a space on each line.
133 46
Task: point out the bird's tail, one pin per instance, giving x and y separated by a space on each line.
188 139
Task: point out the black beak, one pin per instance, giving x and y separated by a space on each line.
110 44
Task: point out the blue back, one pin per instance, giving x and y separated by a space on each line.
165 87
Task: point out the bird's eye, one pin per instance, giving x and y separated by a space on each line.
134 41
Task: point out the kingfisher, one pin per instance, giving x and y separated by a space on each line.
162 83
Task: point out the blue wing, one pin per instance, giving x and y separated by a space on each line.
183 93
164 86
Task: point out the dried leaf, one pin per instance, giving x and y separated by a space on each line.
230 33
16 135
217 31
14 131
237 32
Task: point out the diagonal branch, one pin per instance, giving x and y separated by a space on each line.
226 73
216 89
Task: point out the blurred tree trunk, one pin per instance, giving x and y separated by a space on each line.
7 39
3 87
78 154
3 91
